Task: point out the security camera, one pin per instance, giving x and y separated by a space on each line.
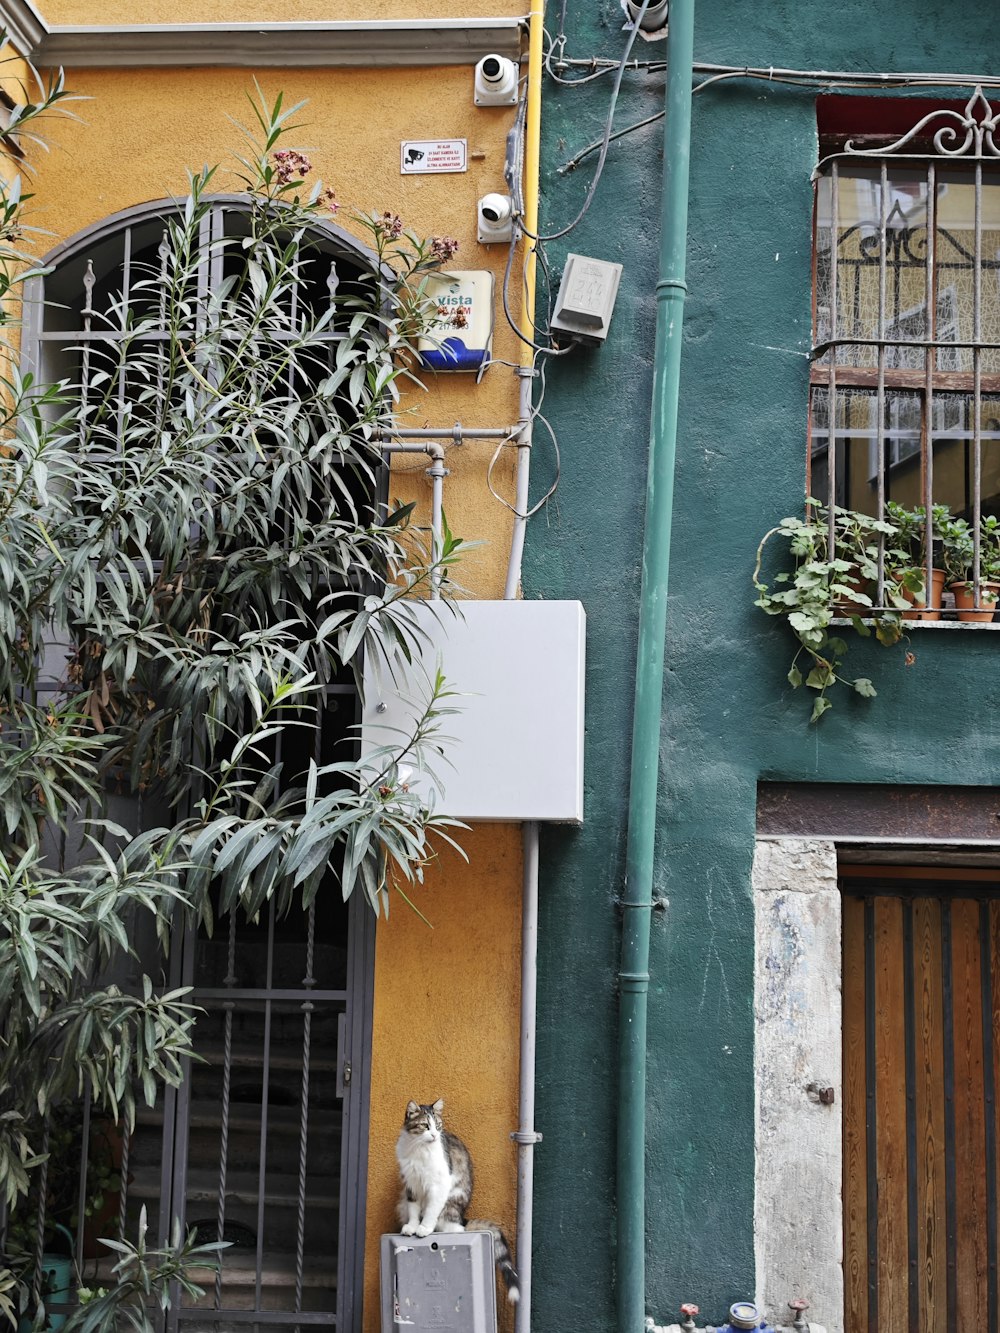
496 82
655 17
495 218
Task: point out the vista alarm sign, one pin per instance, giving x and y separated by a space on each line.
429 156
459 337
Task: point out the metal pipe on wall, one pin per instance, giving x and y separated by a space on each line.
526 369
637 901
437 473
523 476
456 434
525 1136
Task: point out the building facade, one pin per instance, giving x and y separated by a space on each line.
820 1119
426 1005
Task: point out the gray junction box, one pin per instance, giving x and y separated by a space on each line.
586 299
439 1284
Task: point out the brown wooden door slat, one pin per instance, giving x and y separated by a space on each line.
855 1139
970 1144
890 1118
929 1098
994 938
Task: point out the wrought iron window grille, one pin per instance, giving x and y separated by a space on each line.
905 361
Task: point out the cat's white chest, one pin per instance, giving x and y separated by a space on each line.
423 1166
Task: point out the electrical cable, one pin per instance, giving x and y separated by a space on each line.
778 74
599 169
504 294
516 184
766 76
542 263
536 415
585 78
574 162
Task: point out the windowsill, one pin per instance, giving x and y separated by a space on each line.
977 625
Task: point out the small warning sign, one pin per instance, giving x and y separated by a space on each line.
426 156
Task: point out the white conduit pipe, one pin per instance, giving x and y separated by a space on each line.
437 473
421 440
525 1137
513 583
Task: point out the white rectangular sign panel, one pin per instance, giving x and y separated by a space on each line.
513 750
429 156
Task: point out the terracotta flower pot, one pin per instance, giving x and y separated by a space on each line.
989 595
846 606
929 609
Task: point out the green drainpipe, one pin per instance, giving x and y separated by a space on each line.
637 904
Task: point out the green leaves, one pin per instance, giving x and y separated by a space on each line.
839 578
187 579
821 706
143 1278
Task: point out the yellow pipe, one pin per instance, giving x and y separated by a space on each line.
532 154
532 150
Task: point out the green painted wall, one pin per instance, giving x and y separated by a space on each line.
729 716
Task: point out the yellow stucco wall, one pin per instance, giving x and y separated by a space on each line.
446 1003
446 1000
143 128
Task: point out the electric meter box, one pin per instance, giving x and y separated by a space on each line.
439 1284
461 335
586 299
511 745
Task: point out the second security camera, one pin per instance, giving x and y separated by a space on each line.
495 218
495 82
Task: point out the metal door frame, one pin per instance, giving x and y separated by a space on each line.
353 1080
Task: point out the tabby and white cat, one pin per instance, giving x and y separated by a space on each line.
436 1168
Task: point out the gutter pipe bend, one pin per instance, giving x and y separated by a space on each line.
647 716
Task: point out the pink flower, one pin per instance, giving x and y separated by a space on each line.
391 226
688 1309
443 248
291 164
329 199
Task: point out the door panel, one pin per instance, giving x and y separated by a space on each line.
921 1061
264 1144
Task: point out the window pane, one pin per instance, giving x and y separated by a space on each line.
817 483
990 437
990 273
823 327
881 287
955 241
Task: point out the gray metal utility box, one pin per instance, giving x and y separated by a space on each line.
439 1284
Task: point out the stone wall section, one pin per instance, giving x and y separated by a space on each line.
798 1211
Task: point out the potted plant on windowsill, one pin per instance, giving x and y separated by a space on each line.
822 582
911 538
960 561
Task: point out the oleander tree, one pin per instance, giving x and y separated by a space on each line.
201 564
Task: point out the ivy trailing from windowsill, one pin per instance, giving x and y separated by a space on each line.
824 585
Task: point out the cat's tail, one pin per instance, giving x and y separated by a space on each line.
502 1255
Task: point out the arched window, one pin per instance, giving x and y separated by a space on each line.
110 283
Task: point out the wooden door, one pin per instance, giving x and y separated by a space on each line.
921 1067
